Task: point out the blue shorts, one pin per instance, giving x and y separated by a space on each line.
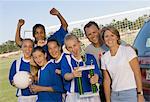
124 96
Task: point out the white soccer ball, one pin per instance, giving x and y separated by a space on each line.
22 79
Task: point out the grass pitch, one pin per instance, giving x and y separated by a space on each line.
7 92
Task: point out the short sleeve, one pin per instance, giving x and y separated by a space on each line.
12 71
59 35
65 67
130 53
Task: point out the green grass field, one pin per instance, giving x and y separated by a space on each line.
7 92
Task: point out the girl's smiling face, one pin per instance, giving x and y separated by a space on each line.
73 46
54 49
39 58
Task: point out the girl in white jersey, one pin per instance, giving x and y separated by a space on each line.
122 76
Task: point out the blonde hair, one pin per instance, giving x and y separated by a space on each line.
70 36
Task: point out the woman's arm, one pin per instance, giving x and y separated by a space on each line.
137 73
107 82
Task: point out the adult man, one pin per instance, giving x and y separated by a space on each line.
97 48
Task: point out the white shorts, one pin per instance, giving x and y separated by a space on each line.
75 97
31 98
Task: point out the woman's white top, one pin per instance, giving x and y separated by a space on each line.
119 68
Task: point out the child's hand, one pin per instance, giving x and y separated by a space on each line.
21 22
54 11
93 79
35 88
13 84
57 71
77 73
31 78
41 43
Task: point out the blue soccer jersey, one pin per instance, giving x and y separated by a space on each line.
57 65
59 35
24 66
66 68
48 78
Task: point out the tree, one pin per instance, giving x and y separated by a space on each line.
8 46
78 32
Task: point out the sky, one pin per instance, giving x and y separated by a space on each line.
37 11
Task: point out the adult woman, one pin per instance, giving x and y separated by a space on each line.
121 70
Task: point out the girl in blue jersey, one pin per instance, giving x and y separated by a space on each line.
24 95
39 32
70 73
49 86
56 53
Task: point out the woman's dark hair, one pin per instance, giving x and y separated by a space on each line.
38 48
38 26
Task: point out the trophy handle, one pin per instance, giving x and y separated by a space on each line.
94 87
80 88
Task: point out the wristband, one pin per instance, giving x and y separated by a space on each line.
140 93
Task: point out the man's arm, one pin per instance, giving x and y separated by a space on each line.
18 38
64 24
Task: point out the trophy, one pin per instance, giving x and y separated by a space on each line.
79 82
94 87
79 79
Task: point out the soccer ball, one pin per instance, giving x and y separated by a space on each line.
21 79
